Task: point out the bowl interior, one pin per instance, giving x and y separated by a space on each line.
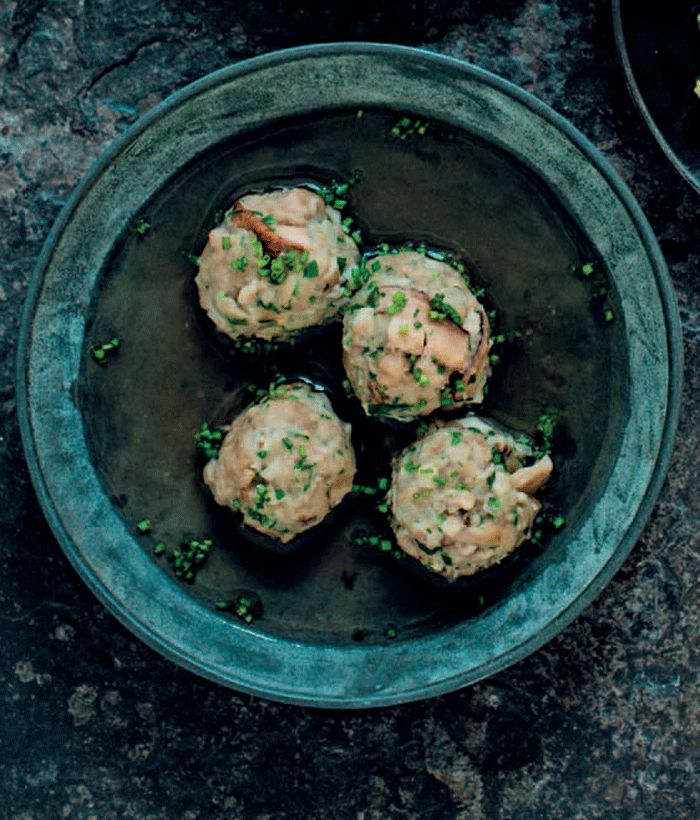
445 188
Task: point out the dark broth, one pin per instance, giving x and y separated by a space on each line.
444 188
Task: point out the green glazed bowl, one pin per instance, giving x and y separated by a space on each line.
444 154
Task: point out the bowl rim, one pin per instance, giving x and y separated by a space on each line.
361 657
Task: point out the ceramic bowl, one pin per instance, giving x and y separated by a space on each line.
444 154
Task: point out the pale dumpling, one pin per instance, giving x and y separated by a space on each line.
461 497
415 338
285 462
276 265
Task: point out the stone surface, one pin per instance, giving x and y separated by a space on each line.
603 722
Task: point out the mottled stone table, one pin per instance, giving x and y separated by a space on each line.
603 722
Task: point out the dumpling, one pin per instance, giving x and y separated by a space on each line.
461 497
415 338
284 463
277 264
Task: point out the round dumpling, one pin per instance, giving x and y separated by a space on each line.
461 497
284 462
276 265
415 338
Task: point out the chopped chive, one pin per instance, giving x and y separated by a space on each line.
141 226
311 270
398 303
239 264
440 310
100 353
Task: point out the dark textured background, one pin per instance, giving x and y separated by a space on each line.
603 722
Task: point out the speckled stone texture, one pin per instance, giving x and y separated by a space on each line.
603 722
